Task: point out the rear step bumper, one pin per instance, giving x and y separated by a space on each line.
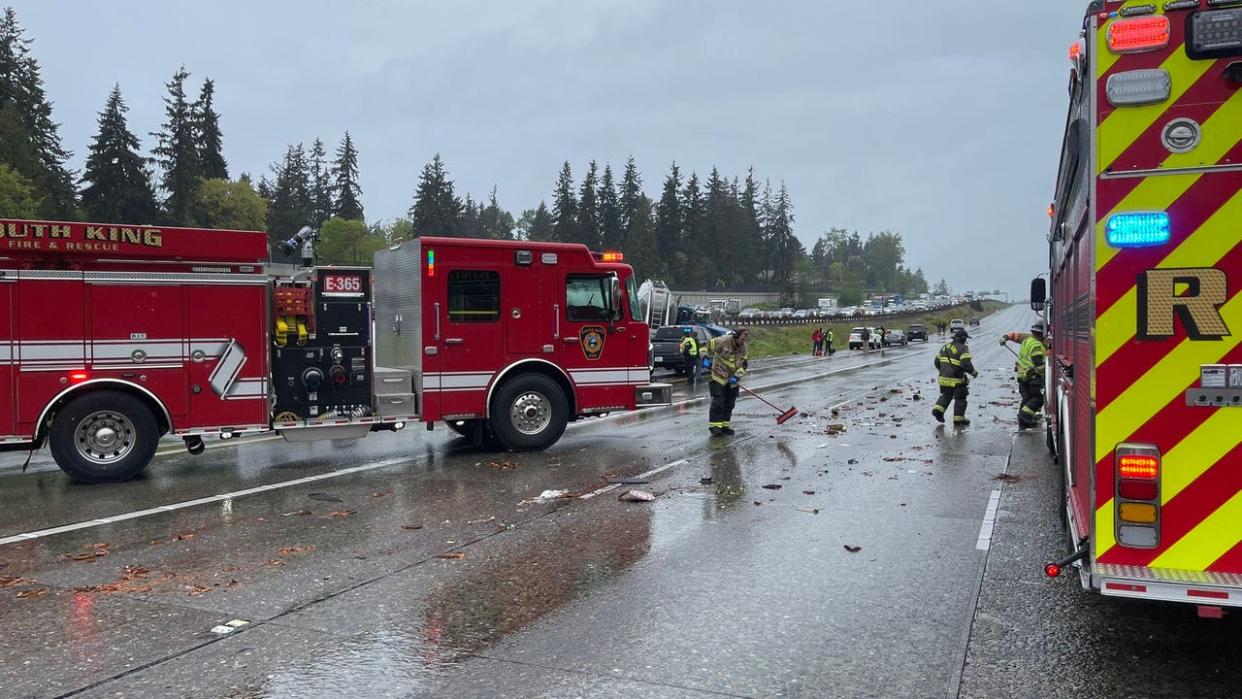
653 395
1168 585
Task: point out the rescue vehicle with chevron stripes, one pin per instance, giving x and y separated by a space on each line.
112 336
1145 383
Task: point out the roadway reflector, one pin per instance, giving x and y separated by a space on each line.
1137 87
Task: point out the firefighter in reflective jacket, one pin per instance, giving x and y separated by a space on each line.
728 361
954 364
1031 369
690 352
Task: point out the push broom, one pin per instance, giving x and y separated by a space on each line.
785 415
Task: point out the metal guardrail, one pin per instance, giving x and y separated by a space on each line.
841 319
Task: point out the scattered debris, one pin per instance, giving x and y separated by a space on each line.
853 549
852 461
917 396
341 513
482 521
92 552
452 556
705 480
186 536
835 428
1007 478
808 492
290 550
14 581
31 593
411 527
275 562
549 495
360 557
296 514
382 493
636 496
196 590
757 503
503 465
773 486
324 497
836 413
809 510
229 626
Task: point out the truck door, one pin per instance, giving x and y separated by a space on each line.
51 324
226 331
471 345
596 352
529 316
6 357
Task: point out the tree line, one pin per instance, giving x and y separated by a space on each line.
714 232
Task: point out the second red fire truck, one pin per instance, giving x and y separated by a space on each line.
112 336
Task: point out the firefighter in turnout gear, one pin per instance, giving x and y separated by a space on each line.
728 361
1031 369
690 352
954 364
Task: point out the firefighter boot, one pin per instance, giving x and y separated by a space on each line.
716 431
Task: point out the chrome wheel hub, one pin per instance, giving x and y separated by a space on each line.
531 413
104 437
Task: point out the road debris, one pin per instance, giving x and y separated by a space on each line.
296 514
835 428
482 521
341 513
186 536
808 492
809 510
853 549
452 556
92 553
29 594
324 497
291 550
503 465
411 527
705 480
382 493
15 581
636 496
1007 478
229 626
773 486
852 461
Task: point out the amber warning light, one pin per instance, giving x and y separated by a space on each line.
613 257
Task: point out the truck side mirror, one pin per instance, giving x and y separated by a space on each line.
615 298
1039 293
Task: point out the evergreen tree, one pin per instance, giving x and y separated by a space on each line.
321 184
495 222
641 249
565 207
612 235
786 248
177 153
118 185
291 206
695 257
588 209
469 223
207 134
668 229
16 195
541 224
721 234
752 228
436 209
347 192
29 139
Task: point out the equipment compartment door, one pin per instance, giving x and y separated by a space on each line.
228 355
471 344
592 349
8 391
137 335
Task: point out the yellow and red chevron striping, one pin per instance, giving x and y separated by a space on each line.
1108 63
1231 562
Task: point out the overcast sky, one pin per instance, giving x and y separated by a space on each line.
939 120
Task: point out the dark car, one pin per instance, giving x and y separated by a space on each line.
667 345
916 331
974 322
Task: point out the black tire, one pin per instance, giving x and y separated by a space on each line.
542 402
122 443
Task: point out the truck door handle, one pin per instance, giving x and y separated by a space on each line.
570 340
454 341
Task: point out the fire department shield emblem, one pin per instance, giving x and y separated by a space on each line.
592 340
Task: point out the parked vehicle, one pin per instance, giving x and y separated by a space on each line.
667 344
801 314
856 342
916 331
895 338
974 322
750 314
956 324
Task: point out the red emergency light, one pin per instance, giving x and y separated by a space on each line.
79 376
1138 466
1139 34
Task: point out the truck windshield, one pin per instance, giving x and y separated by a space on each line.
586 298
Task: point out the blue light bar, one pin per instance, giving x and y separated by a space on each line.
1139 229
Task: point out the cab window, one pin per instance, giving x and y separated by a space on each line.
473 296
586 298
631 290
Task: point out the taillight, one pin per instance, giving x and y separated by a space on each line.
1139 34
1137 495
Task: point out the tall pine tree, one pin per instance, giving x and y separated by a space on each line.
291 206
752 228
321 184
118 185
207 134
177 153
29 139
639 244
611 233
588 209
668 214
347 192
565 207
494 221
436 209
541 224
694 259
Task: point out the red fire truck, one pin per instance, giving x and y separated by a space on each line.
112 336
1146 263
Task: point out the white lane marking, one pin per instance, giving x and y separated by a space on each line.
41 533
989 522
645 474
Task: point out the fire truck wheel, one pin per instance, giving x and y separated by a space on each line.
529 412
104 437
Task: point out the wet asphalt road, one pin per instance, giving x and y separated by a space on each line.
412 565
